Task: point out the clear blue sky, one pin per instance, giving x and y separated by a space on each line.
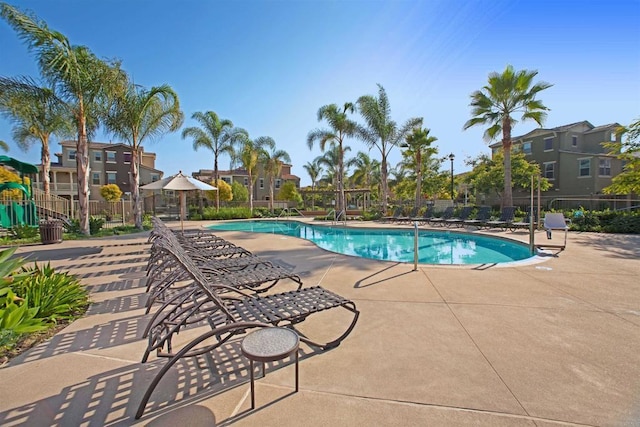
269 65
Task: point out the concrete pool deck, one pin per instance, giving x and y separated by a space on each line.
555 342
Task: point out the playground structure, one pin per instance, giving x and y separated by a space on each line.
22 210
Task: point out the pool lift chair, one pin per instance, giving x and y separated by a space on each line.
555 221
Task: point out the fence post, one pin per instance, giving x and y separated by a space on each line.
123 219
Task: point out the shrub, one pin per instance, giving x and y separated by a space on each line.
95 224
53 295
240 192
226 213
23 231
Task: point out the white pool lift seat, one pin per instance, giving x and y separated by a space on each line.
555 221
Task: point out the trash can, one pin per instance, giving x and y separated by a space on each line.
51 231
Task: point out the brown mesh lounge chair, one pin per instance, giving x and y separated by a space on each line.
229 312
426 216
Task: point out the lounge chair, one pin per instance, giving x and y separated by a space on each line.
397 213
411 215
526 221
506 218
426 216
555 221
482 216
229 312
447 214
459 220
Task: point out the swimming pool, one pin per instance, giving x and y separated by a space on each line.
434 246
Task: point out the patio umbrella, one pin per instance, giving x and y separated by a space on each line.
180 183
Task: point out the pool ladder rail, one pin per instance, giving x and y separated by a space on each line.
286 212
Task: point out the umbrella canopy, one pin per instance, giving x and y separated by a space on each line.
181 183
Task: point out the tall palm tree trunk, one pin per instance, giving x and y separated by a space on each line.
135 189
46 167
215 177
419 179
82 169
507 197
383 183
271 186
250 192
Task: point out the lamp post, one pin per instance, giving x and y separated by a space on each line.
451 157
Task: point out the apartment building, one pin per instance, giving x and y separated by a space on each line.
572 157
261 186
109 163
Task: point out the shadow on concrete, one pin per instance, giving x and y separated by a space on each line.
626 246
58 254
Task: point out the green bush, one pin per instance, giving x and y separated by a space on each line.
53 295
226 213
605 221
16 316
263 213
23 231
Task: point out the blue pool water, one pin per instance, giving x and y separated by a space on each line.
434 247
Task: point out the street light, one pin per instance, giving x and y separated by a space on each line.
451 157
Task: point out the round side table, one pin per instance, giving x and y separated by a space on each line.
268 345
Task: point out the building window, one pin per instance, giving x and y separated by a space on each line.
261 183
526 147
246 181
72 155
154 177
548 144
604 167
549 170
584 167
574 140
111 156
111 177
613 137
95 178
97 156
127 157
277 184
225 179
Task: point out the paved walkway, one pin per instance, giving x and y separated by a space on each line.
539 344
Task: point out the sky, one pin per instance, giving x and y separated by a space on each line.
268 66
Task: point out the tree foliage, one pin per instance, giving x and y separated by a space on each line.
289 192
629 151
224 191
239 192
488 177
111 192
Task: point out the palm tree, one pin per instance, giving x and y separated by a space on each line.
366 169
249 154
86 83
314 169
382 132
138 115
505 95
418 145
217 135
36 114
272 164
340 128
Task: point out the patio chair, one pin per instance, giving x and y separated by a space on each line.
230 312
506 218
447 214
459 220
407 218
555 221
482 216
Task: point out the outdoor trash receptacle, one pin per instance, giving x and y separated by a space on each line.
51 231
